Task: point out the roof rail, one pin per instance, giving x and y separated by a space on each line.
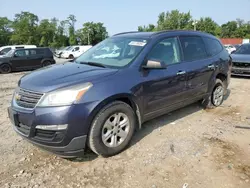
126 33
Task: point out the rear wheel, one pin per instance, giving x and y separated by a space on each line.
71 56
217 96
5 68
112 129
46 63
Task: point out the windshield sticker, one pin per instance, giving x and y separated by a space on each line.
136 43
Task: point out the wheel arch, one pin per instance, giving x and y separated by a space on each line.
126 98
6 63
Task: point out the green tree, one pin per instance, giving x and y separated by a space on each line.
72 37
148 28
47 30
174 20
92 33
207 25
5 31
229 29
25 29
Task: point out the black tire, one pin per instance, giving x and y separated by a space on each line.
5 68
209 102
95 141
71 56
46 63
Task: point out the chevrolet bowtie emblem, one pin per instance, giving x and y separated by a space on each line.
17 97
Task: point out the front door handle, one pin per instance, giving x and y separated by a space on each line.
211 66
181 73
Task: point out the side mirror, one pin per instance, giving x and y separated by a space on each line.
154 64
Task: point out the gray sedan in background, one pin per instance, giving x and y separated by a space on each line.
241 60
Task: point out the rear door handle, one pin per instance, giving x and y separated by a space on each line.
181 73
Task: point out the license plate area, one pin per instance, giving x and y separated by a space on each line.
22 128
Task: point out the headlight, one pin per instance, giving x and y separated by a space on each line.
65 96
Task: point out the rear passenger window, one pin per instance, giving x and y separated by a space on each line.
193 48
32 52
213 46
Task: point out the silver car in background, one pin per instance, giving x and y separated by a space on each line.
241 60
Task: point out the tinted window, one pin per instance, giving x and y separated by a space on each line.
213 46
5 50
39 51
21 53
77 48
193 48
32 52
167 51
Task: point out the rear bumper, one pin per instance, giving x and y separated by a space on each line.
241 71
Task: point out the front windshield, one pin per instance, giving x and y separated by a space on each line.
10 53
243 49
113 52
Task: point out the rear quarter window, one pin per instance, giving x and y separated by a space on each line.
193 48
213 46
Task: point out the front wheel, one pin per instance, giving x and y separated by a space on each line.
217 96
5 68
71 56
112 129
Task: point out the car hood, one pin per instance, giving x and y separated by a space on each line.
57 76
241 58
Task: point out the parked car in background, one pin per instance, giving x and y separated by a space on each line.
236 46
26 59
5 49
99 102
229 48
59 51
75 51
241 60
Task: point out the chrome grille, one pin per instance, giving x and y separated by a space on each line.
243 65
27 99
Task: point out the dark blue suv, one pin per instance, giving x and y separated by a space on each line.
99 99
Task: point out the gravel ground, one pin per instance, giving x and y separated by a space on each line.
199 147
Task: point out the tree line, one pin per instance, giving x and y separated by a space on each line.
183 20
26 28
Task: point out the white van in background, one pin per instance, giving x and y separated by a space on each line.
5 49
75 51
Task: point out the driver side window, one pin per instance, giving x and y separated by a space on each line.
167 51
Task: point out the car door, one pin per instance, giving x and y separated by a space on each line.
199 66
164 88
35 58
20 59
76 51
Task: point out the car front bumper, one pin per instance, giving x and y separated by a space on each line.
241 71
63 55
70 142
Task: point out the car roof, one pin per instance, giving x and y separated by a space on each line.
147 35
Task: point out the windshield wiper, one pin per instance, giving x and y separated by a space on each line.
94 64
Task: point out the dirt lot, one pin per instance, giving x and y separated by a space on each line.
195 146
